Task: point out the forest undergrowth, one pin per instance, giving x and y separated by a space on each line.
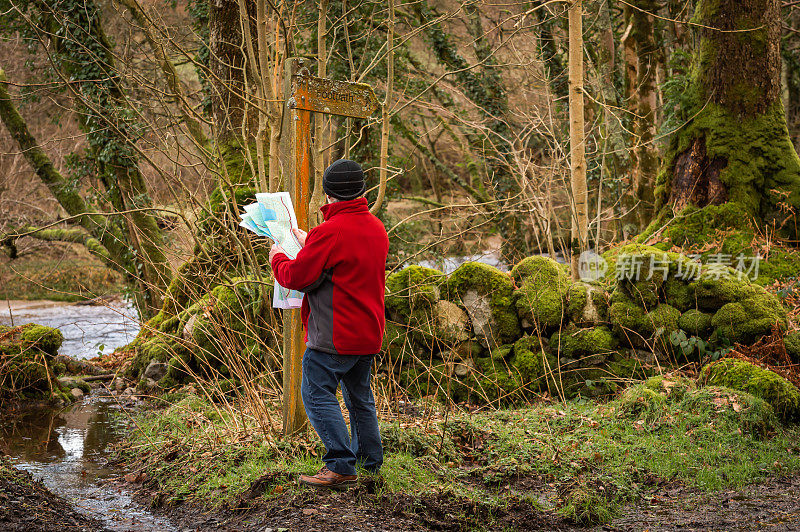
578 462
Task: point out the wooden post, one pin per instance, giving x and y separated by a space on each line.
296 155
306 95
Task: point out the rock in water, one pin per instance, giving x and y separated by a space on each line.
77 393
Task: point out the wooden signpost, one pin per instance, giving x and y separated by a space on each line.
308 94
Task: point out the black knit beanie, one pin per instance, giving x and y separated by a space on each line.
344 180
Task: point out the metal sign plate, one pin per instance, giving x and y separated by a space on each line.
322 95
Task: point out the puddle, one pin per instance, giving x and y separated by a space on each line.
86 328
67 449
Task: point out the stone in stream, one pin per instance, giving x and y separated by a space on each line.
77 393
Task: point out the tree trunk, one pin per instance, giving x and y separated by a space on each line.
89 72
736 147
580 218
640 89
227 65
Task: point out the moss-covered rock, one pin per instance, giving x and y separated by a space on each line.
587 304
629 320
762 383
716 288
27 363
657 401
46 339
696 323
411 288
487 295
451 323
680 294
747 320
534 366
211 333
663 320
639 262
542 294
157 348
792 342
411 298
590 346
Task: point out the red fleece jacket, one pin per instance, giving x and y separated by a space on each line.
341 270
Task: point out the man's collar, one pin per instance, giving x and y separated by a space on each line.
332 209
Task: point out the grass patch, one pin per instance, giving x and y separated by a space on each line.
597 457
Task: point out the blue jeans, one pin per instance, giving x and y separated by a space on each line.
322 373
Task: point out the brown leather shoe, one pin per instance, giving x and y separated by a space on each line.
328 479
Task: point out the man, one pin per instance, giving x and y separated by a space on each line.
340 268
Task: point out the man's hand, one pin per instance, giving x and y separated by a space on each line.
274 250
301 236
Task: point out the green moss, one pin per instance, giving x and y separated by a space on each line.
501 352
713 290
532 364
411 295
792 342
577 298
679 294
759 154
645 263
696 323
629 320
214 211
676 387
587 304
641 402
46 339
746 320
728 223
492 284
496 382
397 346
579 343
762 383
643 292
159 348
663 320
542 293
413 287
724 230
781 264
74 382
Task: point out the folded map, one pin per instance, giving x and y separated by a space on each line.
273 216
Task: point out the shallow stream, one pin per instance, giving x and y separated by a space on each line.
68 448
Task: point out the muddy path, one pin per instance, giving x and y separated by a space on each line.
771 505
27 505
